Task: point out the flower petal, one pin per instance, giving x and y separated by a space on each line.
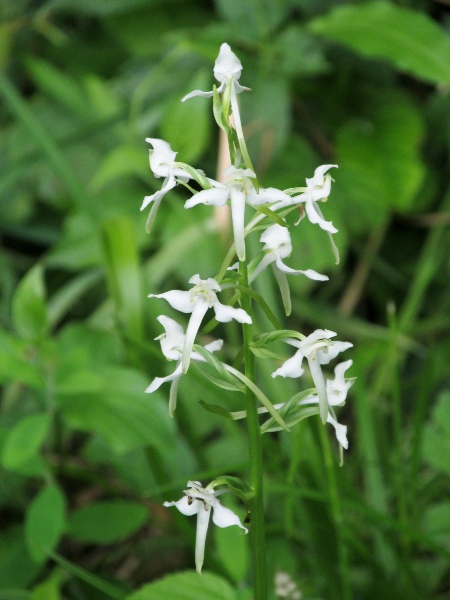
341 431
319 382
292 367
200 307
203 515
172 341
211 197
310 273
266 195
285 292
227 64
238 217
185 507
158 381
173 394
197 93
214 346
326 355
315 218
224 313
177 299
267 259
224 517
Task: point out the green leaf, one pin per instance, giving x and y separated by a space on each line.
50 589
106 522
29 311
44 522
187 125
232 548
436 437
123 160
24 440
409 39
187 585
15 595
215 409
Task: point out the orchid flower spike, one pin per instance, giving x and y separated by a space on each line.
197 301
201 501
318 350
239 190
227 66
172 342
162 163
277 244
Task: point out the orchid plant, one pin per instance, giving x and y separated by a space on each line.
241 190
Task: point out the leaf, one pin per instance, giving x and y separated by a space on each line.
239 487
409 39
187 585
187 125
123 160
106 522
436 437
29 311
215 409
44 522
50 589
24 440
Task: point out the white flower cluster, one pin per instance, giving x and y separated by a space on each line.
240 190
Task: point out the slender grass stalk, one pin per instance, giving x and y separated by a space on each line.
257 530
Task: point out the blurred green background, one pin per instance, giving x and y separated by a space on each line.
86 457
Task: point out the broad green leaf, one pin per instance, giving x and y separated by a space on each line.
409 39
24 440
437 522
17 568
15 362
187 585
106 522
380 169
44 522
29 311
233 548
15 595
50 589
187 125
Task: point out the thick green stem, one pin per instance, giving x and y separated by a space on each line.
257 528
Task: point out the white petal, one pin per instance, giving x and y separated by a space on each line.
200 308
238 217
275 236
319 382
173 394
267 259
315 218
285 292
227 64
158 381
310 273
318 177
214 346
224 517
341 431
203 515
292 367
161 158
197 93
168 184
266 195
177 299
173 339
326 355
211 197
184 507
240 88
224 313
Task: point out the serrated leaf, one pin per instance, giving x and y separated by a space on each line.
187 585
106 522
24 440
409 39
29 311
44 522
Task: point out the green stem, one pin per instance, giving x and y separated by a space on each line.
257 529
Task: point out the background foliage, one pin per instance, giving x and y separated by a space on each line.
86 457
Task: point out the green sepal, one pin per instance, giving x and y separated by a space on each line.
236 485
216 409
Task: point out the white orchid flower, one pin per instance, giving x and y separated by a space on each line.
318 350
172 343
317 189
277 243
201 501
162 163
337 389
197 301
226 67
239 189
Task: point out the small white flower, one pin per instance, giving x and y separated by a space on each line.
200 501
337 389
172 342
162 159
197 301
318 350
317 189
227 66
239 189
